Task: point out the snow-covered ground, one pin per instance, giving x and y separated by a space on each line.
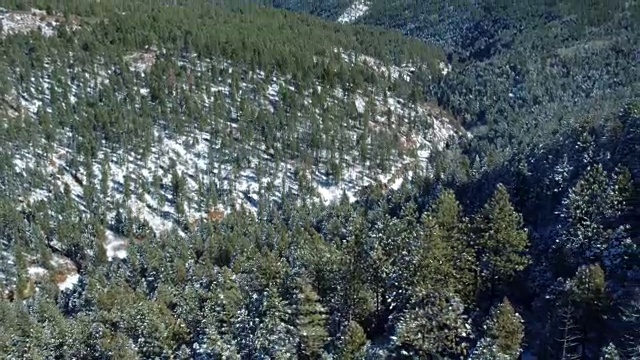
404 72
65 272
69 282
445 68
190 154
355 11
21 22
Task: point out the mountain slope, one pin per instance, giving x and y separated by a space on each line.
520 68
181 180
185 130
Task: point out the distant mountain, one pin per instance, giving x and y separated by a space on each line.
517 67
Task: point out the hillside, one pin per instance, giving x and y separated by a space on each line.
517 67
188 179
170 134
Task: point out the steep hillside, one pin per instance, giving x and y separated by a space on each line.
172 136
524 67
196 179
521 71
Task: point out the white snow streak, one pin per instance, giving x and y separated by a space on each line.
190 154
354 12
37 271
69 282
22 22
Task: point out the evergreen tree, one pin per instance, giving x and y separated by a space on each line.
446 256
219 316
503 334
588 293
354 342
610 352
501 241
590 213
436 326
311 325
274 338
628 319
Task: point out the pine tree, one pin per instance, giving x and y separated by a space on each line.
221 312
104 179
610 352
355 305
434 326
629 318
590 212
311 324
353 343
502 241
274 338
446 257
503 334
100 251
568 335
24 285
588 293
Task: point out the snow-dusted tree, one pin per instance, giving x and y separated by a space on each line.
402 246
434 326
311 324
610 352
56 336
590 213
220 317
353 342
186 302
216 346
356 305
501 241
244 331
561 175
274 338
503 334
77 299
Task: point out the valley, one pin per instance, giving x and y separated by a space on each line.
339 179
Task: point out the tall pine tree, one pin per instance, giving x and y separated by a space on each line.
501 241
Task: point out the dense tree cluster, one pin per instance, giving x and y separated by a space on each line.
522 70
530 246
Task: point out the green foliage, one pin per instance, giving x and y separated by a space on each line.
402 273
501 242
354 342
504 333
447 258
436 326
311 324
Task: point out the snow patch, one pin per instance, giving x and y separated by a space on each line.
354 12
444 68
142 61
37 271
69 282
23 22
115 246
404 72
196 156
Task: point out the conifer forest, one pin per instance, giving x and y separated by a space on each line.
320 179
